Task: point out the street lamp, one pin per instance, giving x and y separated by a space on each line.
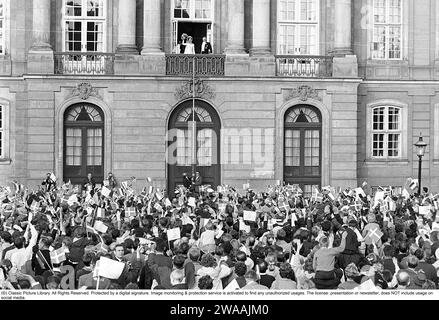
421 145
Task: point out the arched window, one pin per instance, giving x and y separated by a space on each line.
207 143
302 154
83 142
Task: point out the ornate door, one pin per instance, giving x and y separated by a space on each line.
207 144
302 147
83 143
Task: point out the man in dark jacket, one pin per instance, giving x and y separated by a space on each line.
351 253
41 256
80 242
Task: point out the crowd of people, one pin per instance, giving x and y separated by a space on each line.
112 236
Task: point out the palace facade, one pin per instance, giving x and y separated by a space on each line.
310 92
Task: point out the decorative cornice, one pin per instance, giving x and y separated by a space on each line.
303 93
84 90
202 90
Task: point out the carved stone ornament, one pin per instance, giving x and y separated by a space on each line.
84 91
202 90
303 93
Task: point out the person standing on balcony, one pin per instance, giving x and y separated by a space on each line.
182 44
190 47
206 47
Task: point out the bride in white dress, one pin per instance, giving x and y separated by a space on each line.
190 47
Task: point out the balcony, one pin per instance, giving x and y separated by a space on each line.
84 63
304 66
205 65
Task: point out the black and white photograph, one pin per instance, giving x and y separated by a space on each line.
219 154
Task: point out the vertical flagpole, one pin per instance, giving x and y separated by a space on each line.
194 124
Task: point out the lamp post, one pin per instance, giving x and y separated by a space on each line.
421 145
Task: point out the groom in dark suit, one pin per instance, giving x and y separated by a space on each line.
206 47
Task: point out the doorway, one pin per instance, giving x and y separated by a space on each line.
302 147
197 30
208 129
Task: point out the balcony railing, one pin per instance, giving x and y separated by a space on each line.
304 66
88 63
205 64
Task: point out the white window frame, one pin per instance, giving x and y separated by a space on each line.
192 12
4 28
84 19
5 106
387 26
298 23
436 134
403 114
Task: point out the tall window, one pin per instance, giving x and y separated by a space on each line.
298 27
193 9
387 29
2 26
2 131
386 132
84 25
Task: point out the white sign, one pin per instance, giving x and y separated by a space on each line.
110 269
191 202
424 210
100 227
173 234
250 216
105 192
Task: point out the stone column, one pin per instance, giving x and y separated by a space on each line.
41 26
40 58
261 28
345 63
152 60
343 27
152 27
235 40
127 27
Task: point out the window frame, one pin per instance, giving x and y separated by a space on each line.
386 132
84 19
5 129
4 29
403 130
192 10
298 23
387 26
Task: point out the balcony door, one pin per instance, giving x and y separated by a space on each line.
207 148
194 18
83 143
84 36
303 147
